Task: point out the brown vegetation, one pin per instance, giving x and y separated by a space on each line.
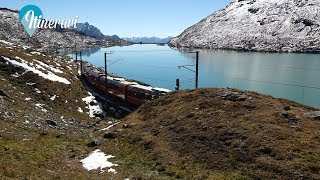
225 133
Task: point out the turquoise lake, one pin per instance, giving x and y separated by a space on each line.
291 76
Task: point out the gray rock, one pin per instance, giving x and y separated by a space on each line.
234 96
94 143
110 135
2 93
287 108
52 123
294 122
313 115
127 126
284 114
258 25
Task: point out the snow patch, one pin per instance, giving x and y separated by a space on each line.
53 98
50 76
98 160
80 110
37 91
49 67
6 42
109 127
30 84
26 47
16 75
93 106
36 53
41 107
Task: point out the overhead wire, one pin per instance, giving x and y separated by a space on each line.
238 78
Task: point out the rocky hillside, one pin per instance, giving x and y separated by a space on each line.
258 25
46 39
220 134
46 117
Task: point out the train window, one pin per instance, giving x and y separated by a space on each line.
113 85
133 93
140 95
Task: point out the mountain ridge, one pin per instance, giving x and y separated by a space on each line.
148 39
93 31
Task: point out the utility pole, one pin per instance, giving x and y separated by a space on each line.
77 62
177 84
197 69
106 80
81 64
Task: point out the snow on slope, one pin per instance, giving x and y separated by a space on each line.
50 76
98 160
259 25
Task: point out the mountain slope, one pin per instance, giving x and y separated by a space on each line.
44 121
258 25
43 39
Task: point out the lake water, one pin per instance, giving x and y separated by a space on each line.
291 76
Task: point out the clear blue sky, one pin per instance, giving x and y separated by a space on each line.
128 18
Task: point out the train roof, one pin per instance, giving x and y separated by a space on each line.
162 89
139 86
100 73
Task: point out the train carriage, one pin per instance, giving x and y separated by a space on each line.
133 93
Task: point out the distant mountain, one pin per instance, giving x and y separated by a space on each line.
147 39
113 37
92 31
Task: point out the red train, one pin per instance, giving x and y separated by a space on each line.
133 93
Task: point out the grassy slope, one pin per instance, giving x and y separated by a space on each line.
38 150
206 134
